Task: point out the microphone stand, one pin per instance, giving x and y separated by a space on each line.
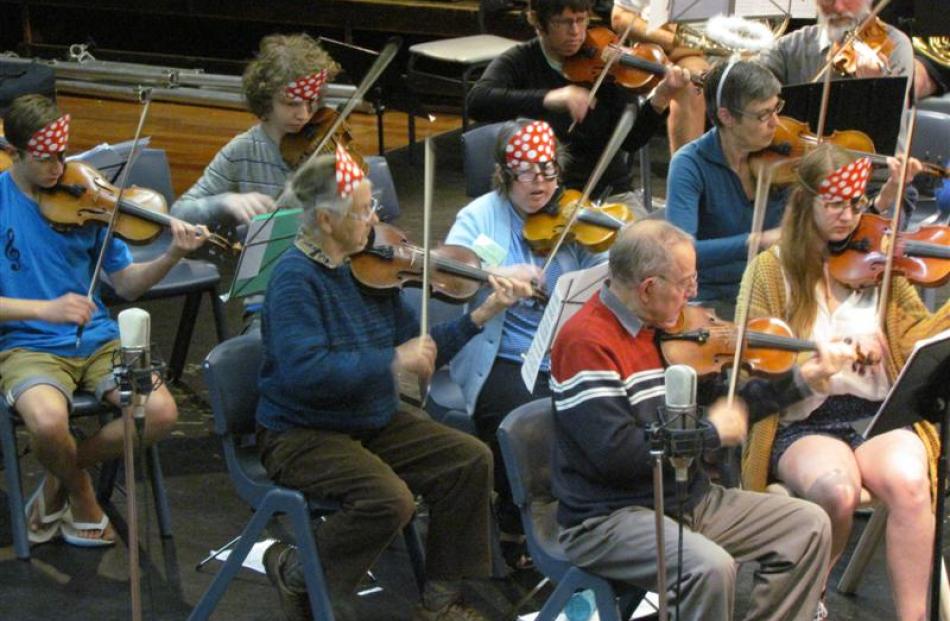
135 384
667 440
127 398
658 452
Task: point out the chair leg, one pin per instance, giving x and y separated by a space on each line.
220 316
870 538
416 555
11 470
108 472
411 125
186 325
570 582
162 513
276 501
944 593
606 599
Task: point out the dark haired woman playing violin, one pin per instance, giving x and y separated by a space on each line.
528 81
333 425
812 446
42 274
489 368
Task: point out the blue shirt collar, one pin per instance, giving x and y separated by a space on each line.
630 322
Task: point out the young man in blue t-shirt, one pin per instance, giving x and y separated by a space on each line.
44 273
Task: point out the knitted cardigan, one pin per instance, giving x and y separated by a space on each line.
907 321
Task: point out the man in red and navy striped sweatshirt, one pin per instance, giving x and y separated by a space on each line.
607 380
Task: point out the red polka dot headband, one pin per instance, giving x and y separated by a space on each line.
847 182
348 172
308 87
532 144
51 139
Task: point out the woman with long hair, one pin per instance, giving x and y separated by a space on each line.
813 447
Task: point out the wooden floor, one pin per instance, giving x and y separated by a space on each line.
191 135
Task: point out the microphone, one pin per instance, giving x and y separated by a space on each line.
680 381
135 337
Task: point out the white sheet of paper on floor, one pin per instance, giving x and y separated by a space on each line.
255 558
646 608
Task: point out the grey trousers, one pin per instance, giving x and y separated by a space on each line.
789 539
375 476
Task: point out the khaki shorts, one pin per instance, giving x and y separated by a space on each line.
21 369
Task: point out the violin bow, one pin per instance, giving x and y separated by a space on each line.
624 125
849 39
382 61
429 189
763 183
385 57
603 74
145 97
895 221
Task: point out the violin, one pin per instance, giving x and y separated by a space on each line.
872 39
794 138
595 228
639 68
83 195
707 343
391 261
922 256
296 148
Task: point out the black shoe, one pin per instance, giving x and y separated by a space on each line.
293 601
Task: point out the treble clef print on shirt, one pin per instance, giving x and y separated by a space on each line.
10 251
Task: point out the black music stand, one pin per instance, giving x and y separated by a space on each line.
922 391
871 105
389 91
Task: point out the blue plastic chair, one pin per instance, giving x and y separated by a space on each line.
189 278
84 404
230 372
526 437
383 186
478 158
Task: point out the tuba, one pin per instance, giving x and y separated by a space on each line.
727 35
936 49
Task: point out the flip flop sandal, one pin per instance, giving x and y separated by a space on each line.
72 532
49 523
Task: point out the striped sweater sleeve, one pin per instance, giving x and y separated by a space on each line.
603 409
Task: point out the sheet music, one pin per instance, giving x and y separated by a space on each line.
570 293
271 237
801 9
662 11
900 408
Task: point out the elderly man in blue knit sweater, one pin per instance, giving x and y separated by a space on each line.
331 422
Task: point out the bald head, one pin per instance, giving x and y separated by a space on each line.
644 249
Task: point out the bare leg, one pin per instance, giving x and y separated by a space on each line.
894 468
688 109
833 482
45 412
161 413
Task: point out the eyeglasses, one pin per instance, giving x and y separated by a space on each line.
565 23
687 284
547 171
374 207
47 159
858 205
764 115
